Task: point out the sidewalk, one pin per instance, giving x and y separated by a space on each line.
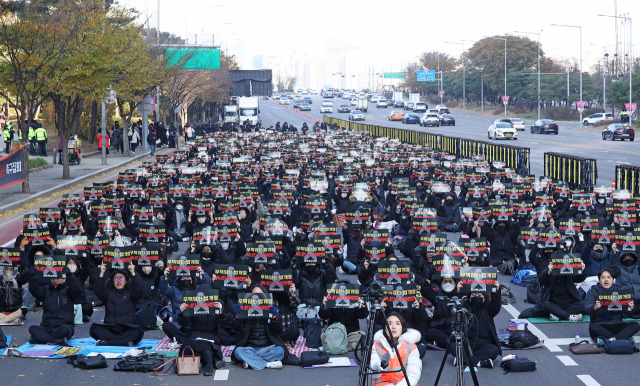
49 180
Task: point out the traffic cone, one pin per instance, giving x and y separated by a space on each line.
613 184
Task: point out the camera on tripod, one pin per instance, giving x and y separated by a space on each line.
376 292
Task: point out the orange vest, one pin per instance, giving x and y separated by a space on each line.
392 378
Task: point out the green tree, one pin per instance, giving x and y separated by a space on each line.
618 93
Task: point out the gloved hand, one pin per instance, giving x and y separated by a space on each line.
237 309
384 360
274 311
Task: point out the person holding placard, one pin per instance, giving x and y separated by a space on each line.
119 295
560 297
11 306
57 308
606 321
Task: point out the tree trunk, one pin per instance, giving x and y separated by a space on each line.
93 126
26 188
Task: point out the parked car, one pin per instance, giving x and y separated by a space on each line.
545 126
502 130
411 118
344 108
618 131
430 119
594 118
517 124
447 119
396 115
356 115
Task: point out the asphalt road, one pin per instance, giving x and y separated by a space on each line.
555 364
571 139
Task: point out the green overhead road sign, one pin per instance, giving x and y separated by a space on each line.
395 75
200 58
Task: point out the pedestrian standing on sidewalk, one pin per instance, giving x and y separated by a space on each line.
41 138
151 140
7 136
100 141
134 138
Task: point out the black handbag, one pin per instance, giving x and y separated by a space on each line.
310 358
88 363
518 365
140 363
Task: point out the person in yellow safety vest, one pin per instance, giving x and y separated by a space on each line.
624 116
31 136
384 358
7 136
41 138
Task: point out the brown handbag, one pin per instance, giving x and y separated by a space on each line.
584 347
188 364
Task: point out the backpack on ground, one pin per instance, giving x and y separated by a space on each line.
312 330
506 296
522 339
534 292
335 340
619 346
149 315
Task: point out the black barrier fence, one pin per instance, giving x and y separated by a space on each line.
578 172
514 157
628 177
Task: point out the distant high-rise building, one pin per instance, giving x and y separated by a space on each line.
257 62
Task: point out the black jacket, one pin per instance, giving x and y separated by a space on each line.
565 285
120 305
348 316
483 323
201 326
57 302
271 328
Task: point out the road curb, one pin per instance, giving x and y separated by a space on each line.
50 191
40 168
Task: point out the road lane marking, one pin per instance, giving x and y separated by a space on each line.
588 380
535 330
566 360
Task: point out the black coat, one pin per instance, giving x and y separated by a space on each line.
57 302
570 292
273 330
347 316
120 305
201 326
483 323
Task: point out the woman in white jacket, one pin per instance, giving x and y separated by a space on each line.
384 358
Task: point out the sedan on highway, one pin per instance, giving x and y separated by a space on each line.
304 106
411 118
326 108
284 101
447 119
398 104
344 108
308 100
382 102
517 123
396 115
356 115
408 106
618 131
545 126
502 130
430 119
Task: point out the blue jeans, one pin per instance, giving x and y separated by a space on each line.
257 357
349 266
153 149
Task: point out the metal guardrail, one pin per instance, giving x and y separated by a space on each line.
578 172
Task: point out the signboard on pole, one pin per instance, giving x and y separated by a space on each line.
426 75
441 93
11 171
395 75
505 100
630 107
580 105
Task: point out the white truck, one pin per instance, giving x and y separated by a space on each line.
248 110
230 115
363 103
397 96
414 97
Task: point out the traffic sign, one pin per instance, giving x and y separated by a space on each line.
630 107
426 75
395 75
505 100
441 93
580 105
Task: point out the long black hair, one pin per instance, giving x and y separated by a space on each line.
403 322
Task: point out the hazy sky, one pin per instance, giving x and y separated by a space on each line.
390 33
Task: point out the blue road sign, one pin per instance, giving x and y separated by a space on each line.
426 76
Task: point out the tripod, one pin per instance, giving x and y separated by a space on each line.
463 350
365 372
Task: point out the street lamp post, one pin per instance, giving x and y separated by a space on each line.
536 33
464 86
505 72
630 58
580 28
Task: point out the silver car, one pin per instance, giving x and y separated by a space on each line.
356 115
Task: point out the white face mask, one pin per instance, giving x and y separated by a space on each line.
448 287
241 215
73 268
8 274
601 201
568 243
179 207
146 269
201 220
225 246
344 195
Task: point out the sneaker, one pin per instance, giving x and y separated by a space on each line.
245 365
632 340
599 342
575 318
486 363
553 318
208 371
274 365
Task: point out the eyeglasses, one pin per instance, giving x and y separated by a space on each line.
119 278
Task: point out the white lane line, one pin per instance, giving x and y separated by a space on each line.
588 380
566 360
515 313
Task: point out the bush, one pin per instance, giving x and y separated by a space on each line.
450 104
560 113
498 111
588 112
605 123
517 110
37 162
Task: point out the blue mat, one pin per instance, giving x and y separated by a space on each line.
2 350
88 346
